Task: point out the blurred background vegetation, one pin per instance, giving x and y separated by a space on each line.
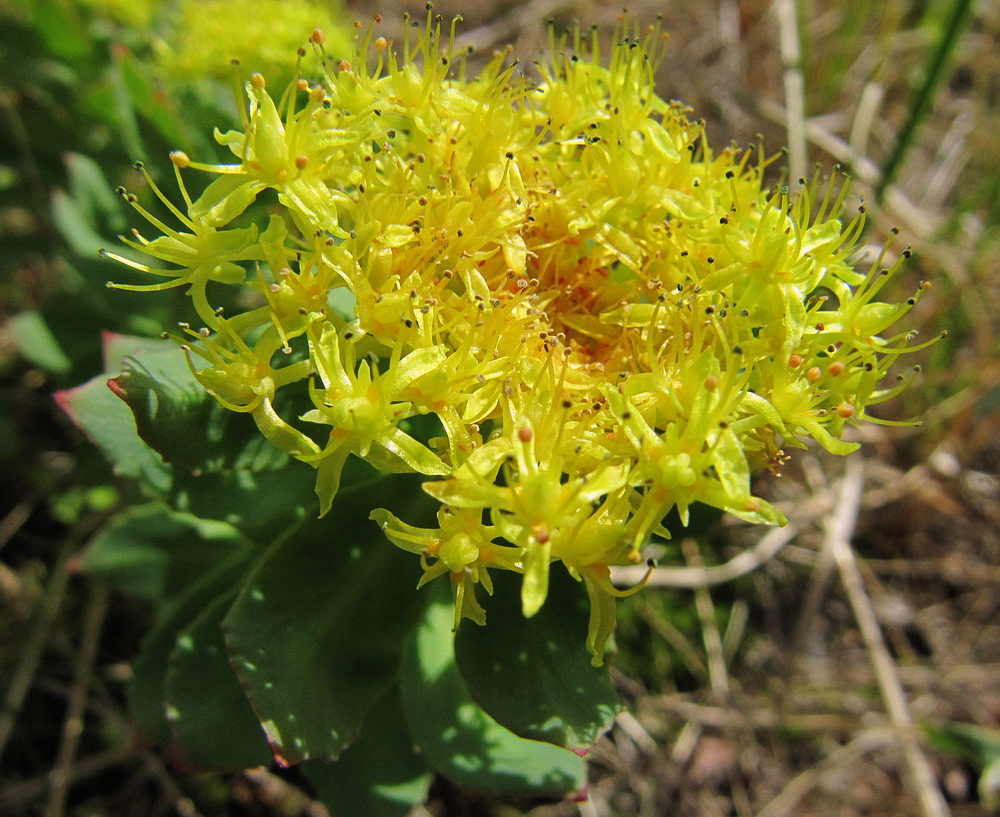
839 680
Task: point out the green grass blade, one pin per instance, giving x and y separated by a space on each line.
921 102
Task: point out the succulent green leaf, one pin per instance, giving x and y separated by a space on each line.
109 424
211 723
974 743
62 30
95 194
458 738
123 111
380 775
259 503
154 552
316 634
978 745
36 342
149 101
75 224
147 696
534 676
116 347
177 418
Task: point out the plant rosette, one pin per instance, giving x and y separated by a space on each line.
505 325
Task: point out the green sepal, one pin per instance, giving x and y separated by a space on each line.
225 199
535 585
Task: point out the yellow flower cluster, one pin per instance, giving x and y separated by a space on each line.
607 320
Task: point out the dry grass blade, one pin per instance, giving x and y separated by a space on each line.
73 725
24 674
717 675
698 576
15 799
511 24
15 518
795 108
840 527
797 788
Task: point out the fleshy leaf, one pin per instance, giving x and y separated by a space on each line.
74 225
109 424
147 695
154 552
978 745
36 342
380 775
177 418
148 100
62 30
458 738
211 723
91 189
534 676
116 347
316 635
253 501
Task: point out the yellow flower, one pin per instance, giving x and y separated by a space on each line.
608 320
362 407
462 547
204 254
